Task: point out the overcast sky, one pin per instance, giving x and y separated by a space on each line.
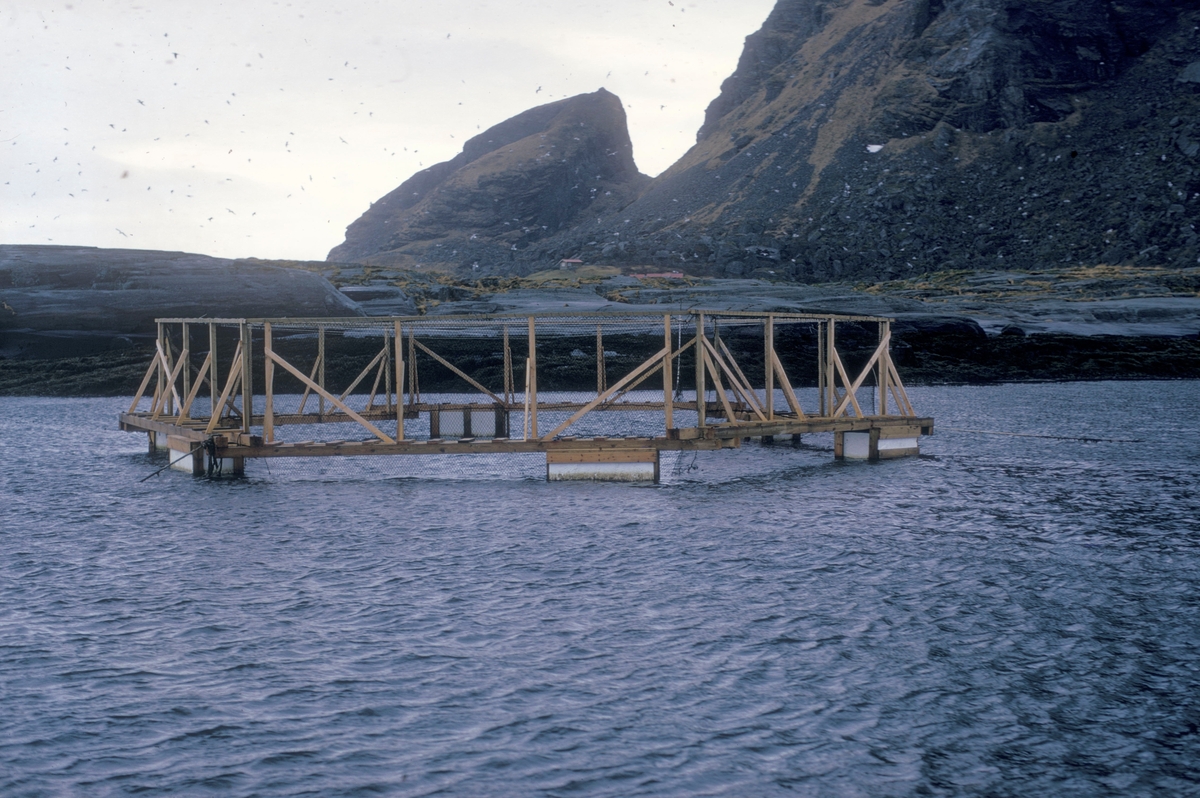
263 129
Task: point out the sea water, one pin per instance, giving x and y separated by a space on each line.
1003 615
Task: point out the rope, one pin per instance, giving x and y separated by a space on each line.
209 446
214 462
1047 437
195 449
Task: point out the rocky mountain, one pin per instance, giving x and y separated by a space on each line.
863 139
525 180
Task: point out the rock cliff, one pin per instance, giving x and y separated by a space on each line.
527 179
870 139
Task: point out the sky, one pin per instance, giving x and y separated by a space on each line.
262 129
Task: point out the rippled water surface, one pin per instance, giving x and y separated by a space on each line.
1002 615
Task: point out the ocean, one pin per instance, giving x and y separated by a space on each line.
1003 615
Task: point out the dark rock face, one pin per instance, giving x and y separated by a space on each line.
531 177
877 139
60 301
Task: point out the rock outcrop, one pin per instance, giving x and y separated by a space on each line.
879 140
61 301
527 179
876 139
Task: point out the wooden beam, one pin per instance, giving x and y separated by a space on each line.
769 365
718 363
212 374
161 384
830 366
716 374
174 372
378 376
593 446
525 428
612 400
235 377
837 362
863 375
387 372
150 372
885 333
362 375
414 385
786 384
701 399
321 361
474 383
312 376
338 403
187 372
601 372
531 371
902 399
581 412
269 385
668 381
247 376
647 455
399 343
820 369
509 383
737 380
186 410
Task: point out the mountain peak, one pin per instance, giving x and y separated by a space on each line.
527 178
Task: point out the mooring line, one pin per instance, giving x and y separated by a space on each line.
195 449
1048 437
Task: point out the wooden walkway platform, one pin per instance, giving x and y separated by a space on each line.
471 385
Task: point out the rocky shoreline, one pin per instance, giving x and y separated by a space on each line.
968 327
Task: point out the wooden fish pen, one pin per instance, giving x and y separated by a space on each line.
219 392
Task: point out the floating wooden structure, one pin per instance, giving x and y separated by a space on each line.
601 394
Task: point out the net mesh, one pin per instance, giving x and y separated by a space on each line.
454 378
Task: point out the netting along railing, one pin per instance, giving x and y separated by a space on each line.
515 377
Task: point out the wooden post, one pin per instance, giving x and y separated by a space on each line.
158 382
830 389
821 410
414 388
769 365
873 444
701 401
526 422
668 397
247 378
172 373
212 367
387 371
509 387
601 374
269 386
321 370
531 370
885 335
399 342
839 445
187 369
